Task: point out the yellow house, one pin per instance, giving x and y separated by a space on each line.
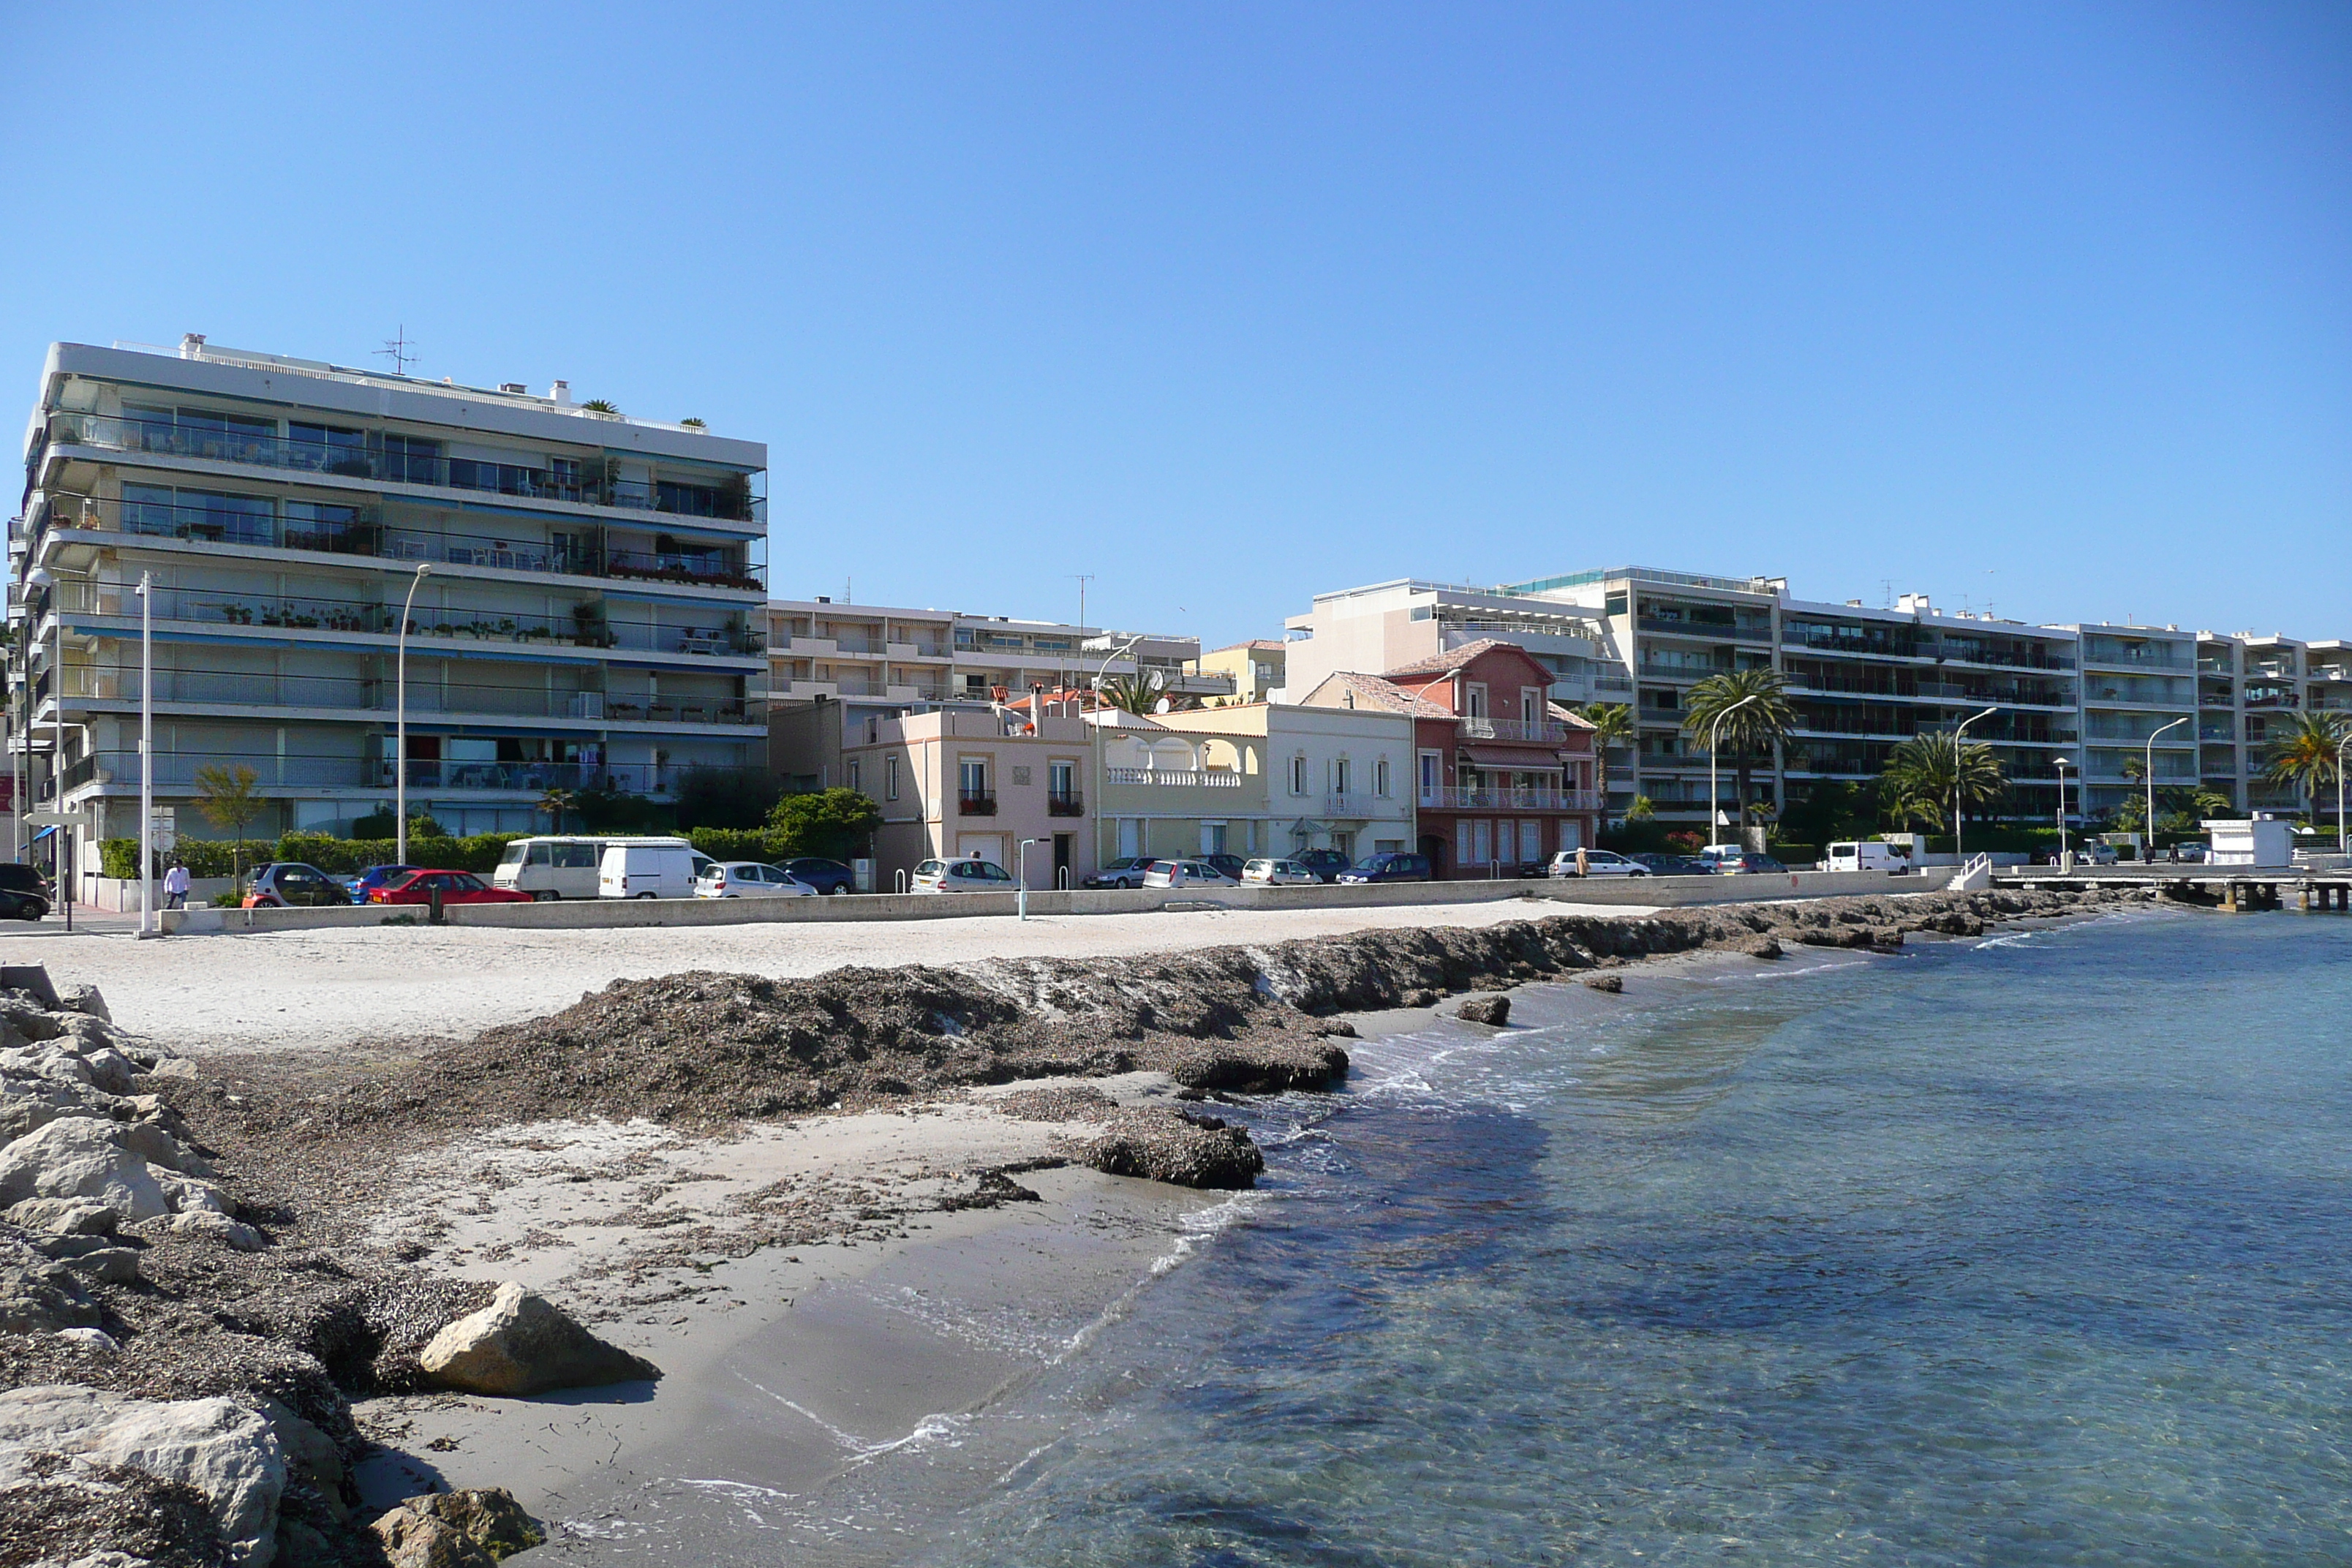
1255 668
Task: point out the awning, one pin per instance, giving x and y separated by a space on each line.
1540 759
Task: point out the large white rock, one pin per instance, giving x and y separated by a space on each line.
78 1157
520 1345
217 1447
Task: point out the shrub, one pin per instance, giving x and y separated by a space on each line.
740 844
833 823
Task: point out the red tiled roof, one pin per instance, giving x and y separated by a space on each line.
1374 691
1452 659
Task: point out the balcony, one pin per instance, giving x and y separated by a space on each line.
177 770
1218 778
976 803
1540 732
1070 803
728 499
1501 797
213 690
362 530
1706 629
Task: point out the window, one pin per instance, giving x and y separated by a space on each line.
1482 842
1474 700
1298 776
1529 710
1433 775
327 448
1379 781
1530 842
1463 843
855 772
971 778
1339 775
1061 782
687 500
890 781
1213 839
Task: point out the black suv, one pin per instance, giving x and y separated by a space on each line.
25 893
1327 864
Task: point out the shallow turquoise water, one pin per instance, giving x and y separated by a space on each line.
2035 1251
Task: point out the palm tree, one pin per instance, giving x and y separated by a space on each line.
1612 725
557 803
1756 716
1142 693
1926 773
2306 753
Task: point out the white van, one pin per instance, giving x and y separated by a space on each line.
562 867
1866 855
649 868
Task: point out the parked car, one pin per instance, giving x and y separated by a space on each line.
825 875
1740 862
649 869
1325 864
1231 864
2191 854
363 886
289 884
25 893
1186 874
454 886
1389 866
1597 863
1869 855
750 879
1278 874
1126 871
966 876
1664 865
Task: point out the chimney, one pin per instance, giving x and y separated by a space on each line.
560 395
191 345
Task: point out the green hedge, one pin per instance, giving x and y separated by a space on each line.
743 843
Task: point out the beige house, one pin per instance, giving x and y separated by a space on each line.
1255 668
964 781
1257 779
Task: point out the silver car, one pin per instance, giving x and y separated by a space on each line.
966 876
749 879
1279 874
1186 874
1597 863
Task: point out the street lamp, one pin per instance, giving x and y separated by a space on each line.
41 577
2343 846
2149 778
1714 763
1959 735
146 756
1094 737
2061 765
400 703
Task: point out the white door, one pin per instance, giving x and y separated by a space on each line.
987 845
1571 834
1530 842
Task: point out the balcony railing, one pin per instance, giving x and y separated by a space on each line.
1707 629
1071 804
1543 732
1213 779
976 803
107 683
362 530
179 768
1497 797
728 500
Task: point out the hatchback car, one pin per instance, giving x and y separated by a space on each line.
1392 866
1324 865
25 893
824 876
1126 871
1231 864
1597 863
969 876
1743 862
455 887
289 884
749 879
362 886
1662 865
1186 874
1279 874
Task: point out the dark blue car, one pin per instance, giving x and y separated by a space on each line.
372 879
824 876
1392 866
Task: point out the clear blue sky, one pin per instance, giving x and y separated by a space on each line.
2043 305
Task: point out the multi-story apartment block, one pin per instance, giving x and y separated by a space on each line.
1389 624
833 665
587 594
1255 668
1503 776
2138 703
1255 779
2244 683
971 781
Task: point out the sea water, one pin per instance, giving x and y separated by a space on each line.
2034 1250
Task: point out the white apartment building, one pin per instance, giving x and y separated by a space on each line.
2244 683
587 595
1387 626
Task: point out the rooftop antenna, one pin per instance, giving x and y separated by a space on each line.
1083 578
396 349
1886 585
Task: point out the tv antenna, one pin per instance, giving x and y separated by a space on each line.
1083 578
397 349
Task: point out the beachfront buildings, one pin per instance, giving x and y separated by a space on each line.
1388 625
963 782
1503 776
2138 691
2245 684
579 594
1254 779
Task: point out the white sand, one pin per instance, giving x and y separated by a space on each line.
322 989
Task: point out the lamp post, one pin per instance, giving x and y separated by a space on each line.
1020 879
2061 765
41 577
2147 778
146 756
1094 737
1714 763
2343 844
400 722
1959 735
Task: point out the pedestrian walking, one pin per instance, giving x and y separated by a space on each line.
1584 861
176 887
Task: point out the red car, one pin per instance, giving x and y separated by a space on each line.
456 887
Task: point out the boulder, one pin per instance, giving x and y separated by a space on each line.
225 1452
234 1232
107 1265
38 1296
83 997
63 1217
1495 1010
173 1067
456 1529
310 1453
109 1070
94 1339
520 1346
32 979
1612 983
78 1157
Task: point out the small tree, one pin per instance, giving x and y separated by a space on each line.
1926 773
558 803
2303 753
231 802
831 823
1747 712
1142 693
1612 725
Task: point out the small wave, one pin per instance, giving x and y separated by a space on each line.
929 1428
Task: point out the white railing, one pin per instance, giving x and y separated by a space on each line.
1212 780
1544 731
1495 797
